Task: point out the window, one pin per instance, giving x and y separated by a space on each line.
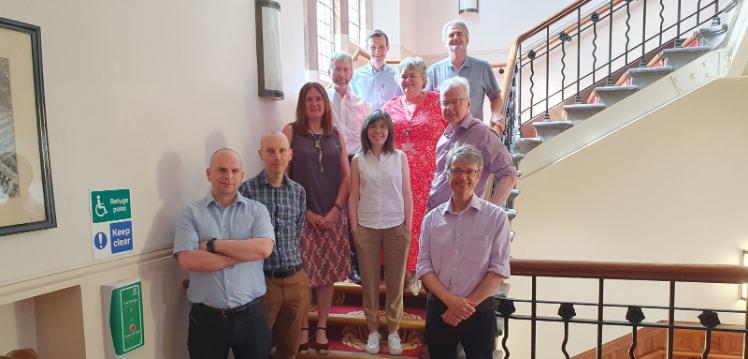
333 25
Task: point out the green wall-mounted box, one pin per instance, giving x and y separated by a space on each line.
125 315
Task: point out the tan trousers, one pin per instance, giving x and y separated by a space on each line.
287 301
394 242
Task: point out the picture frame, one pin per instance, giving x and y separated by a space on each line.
26 198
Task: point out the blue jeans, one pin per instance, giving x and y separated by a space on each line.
477 334
245 331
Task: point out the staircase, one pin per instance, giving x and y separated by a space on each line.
346 325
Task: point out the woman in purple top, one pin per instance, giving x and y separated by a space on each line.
320 165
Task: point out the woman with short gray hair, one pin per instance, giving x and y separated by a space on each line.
418 124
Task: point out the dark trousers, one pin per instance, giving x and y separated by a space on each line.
212 333
476 333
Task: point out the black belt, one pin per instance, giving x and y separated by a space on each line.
282 273
227 312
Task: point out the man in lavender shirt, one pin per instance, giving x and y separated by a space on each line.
463 267
464 129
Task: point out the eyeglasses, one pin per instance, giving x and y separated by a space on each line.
452 103
458 171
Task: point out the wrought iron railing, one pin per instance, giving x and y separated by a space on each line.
589 44
635 313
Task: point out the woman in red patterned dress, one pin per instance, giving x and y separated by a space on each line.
418 125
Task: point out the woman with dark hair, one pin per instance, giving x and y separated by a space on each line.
320 165
381 215
418 125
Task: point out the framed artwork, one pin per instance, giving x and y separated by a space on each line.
26 200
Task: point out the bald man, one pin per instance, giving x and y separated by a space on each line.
221 240
287 298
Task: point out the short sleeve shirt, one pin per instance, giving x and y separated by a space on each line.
478 73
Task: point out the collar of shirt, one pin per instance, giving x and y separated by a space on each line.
209 199
465 65
466 123
475 202
263 178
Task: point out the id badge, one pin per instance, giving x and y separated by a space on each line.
408 147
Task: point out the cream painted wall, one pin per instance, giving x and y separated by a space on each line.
666 188
138 95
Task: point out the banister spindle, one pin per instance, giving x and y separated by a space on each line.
595 18
566 312
709 320
634 315
564 37
531 55
628 30
578 98
610 45
643 60
678 40
546 116
506 309
662 21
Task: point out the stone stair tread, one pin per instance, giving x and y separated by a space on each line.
342 354
561 123
526 144
686 50
353 288
650 70
342 315
623 88
584 106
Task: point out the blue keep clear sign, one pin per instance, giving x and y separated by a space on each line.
111 223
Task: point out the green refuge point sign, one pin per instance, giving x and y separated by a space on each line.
111 205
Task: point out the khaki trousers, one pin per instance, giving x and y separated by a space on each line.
286 302
394 243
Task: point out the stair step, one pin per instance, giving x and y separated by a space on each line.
549 129
413 318
577 113
353 288
679 56
608 95
642 77
341 354
526 144
712 35
516 157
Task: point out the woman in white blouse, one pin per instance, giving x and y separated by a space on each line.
380 207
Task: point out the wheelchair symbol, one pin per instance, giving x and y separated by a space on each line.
100 210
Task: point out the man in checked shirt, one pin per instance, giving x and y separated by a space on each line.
287 297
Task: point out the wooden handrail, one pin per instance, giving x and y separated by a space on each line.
702 273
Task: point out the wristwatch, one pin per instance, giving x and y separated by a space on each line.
211 245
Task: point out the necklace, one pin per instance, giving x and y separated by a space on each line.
317 138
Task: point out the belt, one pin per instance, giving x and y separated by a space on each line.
282 273
227 312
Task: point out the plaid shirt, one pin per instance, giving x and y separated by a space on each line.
287 207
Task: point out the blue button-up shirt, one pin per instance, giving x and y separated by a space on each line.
476 71
205 219
460 248
287 207
375 87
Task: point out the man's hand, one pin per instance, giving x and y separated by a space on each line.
499 121
460 307
451 318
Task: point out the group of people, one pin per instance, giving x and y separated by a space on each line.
387 160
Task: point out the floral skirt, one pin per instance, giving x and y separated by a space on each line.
326 253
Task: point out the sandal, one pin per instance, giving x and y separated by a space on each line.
304 348
322 348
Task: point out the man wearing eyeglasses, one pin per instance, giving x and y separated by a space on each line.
463 128
455 38
463 267
375 82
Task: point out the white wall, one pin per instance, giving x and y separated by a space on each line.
668 188
138 95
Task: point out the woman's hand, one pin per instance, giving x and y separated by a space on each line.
313 218
329 219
